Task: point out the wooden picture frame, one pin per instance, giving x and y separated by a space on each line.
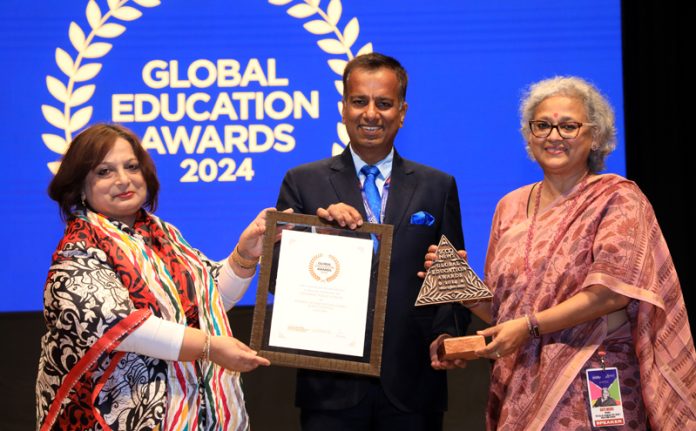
380 236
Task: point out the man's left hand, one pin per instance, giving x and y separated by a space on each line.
443 365
343 214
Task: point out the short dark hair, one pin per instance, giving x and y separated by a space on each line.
374 61
85 152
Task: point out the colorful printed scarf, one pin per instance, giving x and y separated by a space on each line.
106 279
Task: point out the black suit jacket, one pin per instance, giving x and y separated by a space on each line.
406 375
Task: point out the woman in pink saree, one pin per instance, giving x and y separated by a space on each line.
580 272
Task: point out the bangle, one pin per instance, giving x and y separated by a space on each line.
532 325
205 354
243 262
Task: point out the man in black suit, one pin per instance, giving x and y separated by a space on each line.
422 203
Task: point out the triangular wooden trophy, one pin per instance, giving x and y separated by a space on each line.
451 279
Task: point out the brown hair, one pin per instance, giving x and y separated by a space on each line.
86 151
374 61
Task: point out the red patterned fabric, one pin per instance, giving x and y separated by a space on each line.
96 294
603 232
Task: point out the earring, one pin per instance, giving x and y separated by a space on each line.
594 147
82 200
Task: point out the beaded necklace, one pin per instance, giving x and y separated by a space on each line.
556 236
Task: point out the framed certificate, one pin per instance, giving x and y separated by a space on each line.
322 294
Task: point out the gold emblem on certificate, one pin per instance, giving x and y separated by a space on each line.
451 279
324 267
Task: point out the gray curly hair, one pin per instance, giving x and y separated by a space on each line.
597 107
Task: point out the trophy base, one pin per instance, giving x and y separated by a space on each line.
461 347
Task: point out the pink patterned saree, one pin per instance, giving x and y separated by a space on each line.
602 232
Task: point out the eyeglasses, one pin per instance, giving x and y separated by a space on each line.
566 129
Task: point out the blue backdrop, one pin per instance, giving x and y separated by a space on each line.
230 94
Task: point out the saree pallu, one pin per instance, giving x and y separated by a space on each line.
105 280
602 232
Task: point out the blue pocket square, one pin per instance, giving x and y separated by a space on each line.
422 217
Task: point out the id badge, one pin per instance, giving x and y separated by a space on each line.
605 396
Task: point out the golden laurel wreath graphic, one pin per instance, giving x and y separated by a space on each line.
327 22
336 268
79 71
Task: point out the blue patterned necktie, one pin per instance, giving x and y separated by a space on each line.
371 192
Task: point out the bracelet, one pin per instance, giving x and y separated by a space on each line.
205 354
243 262
532 325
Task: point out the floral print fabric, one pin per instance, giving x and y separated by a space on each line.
105 280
